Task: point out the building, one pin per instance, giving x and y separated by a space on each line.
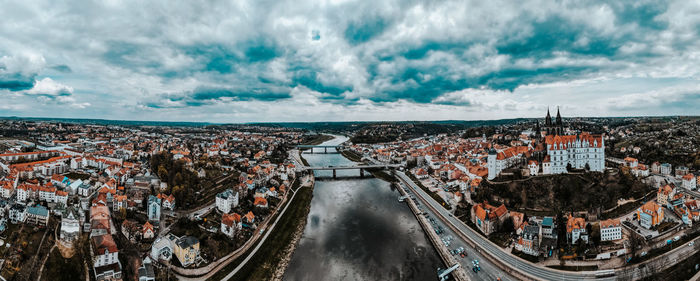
665 193
105 258
610 230
578 151
530 240
230 224
146 272
18 213
186 249
576 229
153 208
552 128
631 162
548 228
682 171
650 214
665 169
38 215
147 231
70 225
689 181
488 218
533 167
226 200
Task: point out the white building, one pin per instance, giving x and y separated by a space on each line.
533 167
576 150
610 230
153 208
105 258
666 168
689 182
226 200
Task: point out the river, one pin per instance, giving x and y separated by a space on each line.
357 230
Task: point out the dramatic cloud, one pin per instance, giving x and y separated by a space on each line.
349 60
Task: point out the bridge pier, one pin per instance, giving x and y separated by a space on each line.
333 173
311 151
362 173
325 150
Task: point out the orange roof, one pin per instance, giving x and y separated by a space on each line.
104 243
61 193
688 177
666 189
260 201
609 223
575 223
650 207
249 216
147 226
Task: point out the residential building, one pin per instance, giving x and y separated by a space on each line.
186 249
70 225
146 272
665 169
38 215
148 231
230 224
665 193
689 181
488 218
153 208
105 258
576 229
226 200
650 214
548 228
610 230
18 213
529 241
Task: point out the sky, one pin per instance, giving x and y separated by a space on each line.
340 60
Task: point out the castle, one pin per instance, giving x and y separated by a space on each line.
580 151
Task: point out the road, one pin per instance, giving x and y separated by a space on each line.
488 270
486 246
633 272
267 233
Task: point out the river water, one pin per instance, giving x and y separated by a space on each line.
357 230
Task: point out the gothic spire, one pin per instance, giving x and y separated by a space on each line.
558 117
548 119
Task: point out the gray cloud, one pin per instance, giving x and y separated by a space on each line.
165 56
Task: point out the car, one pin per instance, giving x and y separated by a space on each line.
691 243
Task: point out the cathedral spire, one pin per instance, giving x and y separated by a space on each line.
558 117
548 119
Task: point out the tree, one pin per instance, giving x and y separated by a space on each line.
508 226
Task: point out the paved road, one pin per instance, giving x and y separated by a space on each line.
267 233
635 271
484 245
488 270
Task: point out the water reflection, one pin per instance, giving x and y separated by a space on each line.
357 230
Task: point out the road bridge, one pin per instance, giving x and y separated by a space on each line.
325 148
362 168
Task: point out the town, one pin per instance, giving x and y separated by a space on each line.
136 202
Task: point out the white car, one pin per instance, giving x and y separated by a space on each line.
691 243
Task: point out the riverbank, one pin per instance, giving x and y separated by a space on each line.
263 263
317 139
296 237
377 173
